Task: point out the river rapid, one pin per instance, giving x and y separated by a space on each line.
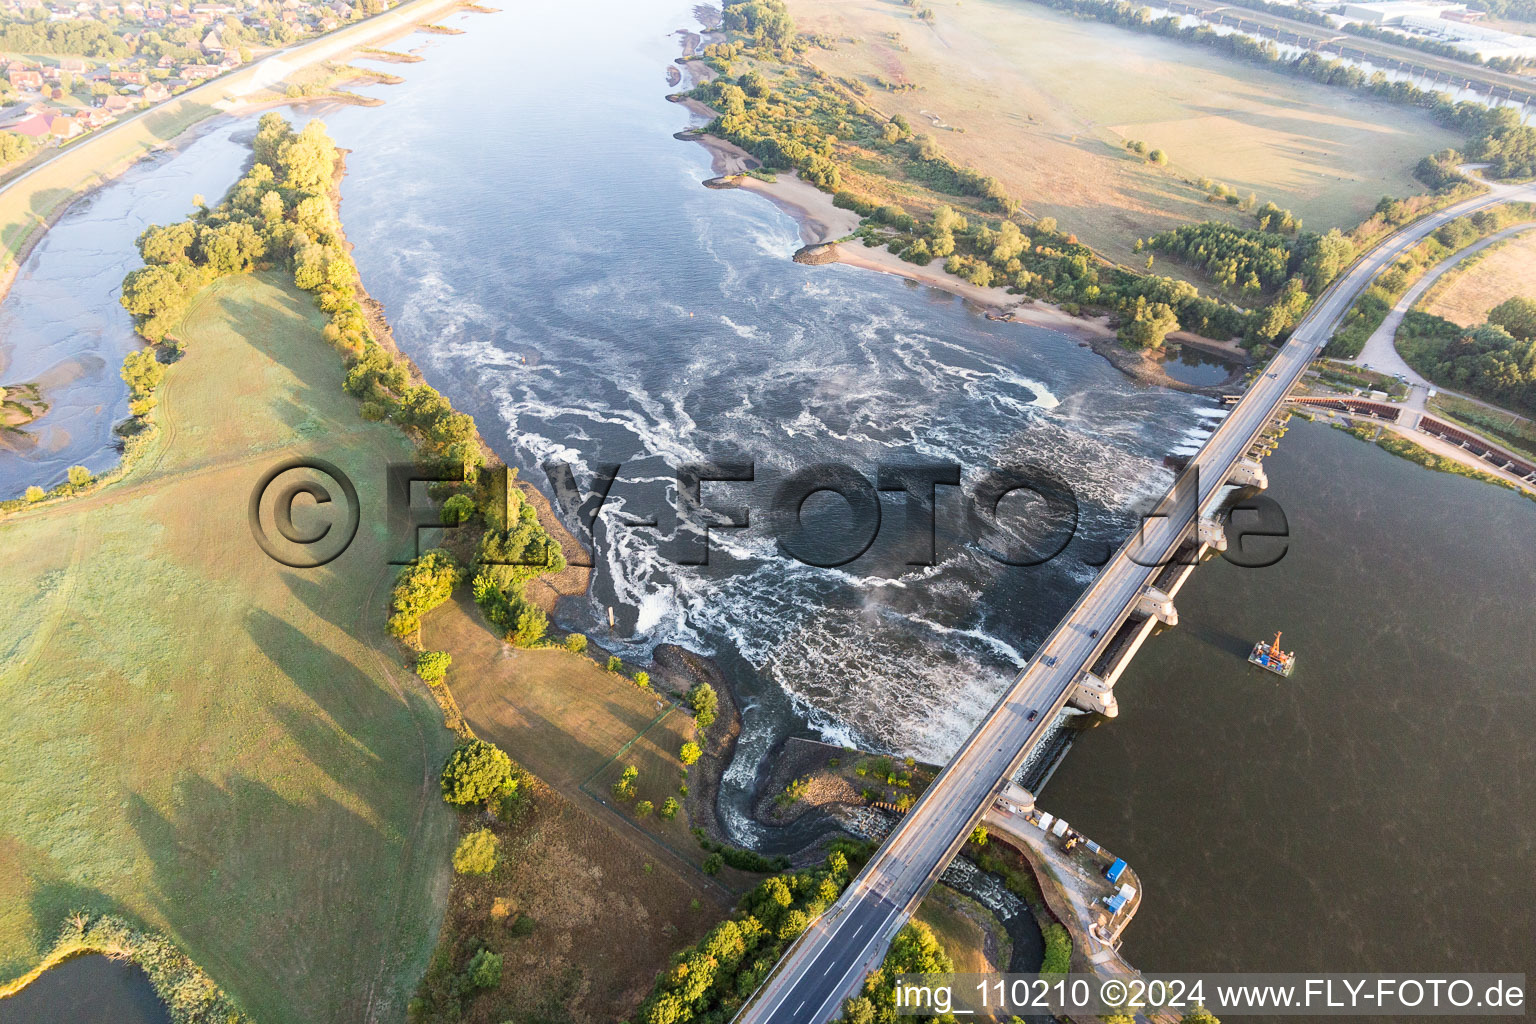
546 254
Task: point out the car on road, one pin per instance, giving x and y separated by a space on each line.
1093 634
1033 714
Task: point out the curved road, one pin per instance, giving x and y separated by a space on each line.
829 962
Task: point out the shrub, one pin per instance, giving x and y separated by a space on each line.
432 666
576 643
457 510
979 835
615 663
79 476
669 808
477 853
1058 951
689 753
421 587
476 771
484 970
644 808
713 863
35 494
643 680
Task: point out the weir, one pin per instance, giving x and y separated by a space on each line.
830 959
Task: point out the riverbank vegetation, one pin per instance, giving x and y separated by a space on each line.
924 206
1406 448
189 994
711 980
1495 361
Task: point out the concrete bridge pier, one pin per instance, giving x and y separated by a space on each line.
1092 693
1213 535
1155 604
1250 473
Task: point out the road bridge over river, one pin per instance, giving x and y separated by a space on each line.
829 962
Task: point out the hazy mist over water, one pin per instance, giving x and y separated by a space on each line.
545 252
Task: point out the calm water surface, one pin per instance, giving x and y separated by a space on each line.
87 990
1372 812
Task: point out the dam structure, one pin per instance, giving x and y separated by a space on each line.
1132 592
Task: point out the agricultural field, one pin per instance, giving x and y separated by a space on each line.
203 740
1047 104
1465 295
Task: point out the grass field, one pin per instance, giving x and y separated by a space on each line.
1047 104
1466 294
612 895
604 912
573 724
206 741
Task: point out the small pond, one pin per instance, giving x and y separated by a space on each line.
87 990
1190 365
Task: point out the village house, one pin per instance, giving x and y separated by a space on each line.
129 76
156 92
27 79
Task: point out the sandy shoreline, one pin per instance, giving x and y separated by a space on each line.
822 223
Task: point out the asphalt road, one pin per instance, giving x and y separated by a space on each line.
829 962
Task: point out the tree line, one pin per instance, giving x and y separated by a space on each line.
708 982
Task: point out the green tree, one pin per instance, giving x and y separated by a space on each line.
576 643
643 680
644 808
421 587
531 626
35 494
979 835
477 853
457 510
624 788
484 970
79 476
432 666
689 753
477 771
615 663
1517 316
668 810
1146 324
713 863
142 372
705 704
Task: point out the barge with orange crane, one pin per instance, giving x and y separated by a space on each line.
1270 657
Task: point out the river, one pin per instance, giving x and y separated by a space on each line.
1372 812
545 252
